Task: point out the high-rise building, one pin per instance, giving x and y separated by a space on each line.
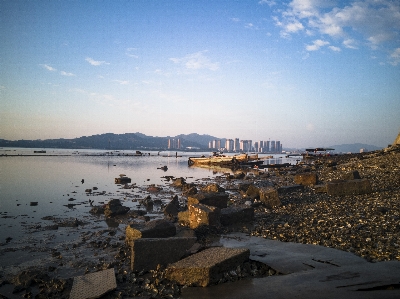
273 149
256 146
229 145
278 147
266 146
174 143
236 146
216 144
261 146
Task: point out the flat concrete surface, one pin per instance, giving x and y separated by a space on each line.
309 271
93 285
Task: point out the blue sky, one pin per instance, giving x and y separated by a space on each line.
307 73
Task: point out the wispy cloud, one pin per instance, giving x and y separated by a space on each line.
67 74
196 61
95 62
316 45
269 2
131 52
121 82
235 20
335 49
395 57
48 67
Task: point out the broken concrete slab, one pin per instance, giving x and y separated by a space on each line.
349 187
200 214
312 272
306 179
158 228
269 197
207 266
215 199
147 253
234 215
93 285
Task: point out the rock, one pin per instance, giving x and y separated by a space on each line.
233 215
97 210
289 189
159 228
269 197
353 175
219 199
179 182
183 218
200 214
253 192
153 188
239 176
212 188
190 191
93 285
206 267
122 180
349 187
88 190
114 207
306 179
148 253
172 208
320 188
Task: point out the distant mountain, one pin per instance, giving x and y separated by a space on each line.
108 141
354 148
202 140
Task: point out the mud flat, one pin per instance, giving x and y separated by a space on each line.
347 203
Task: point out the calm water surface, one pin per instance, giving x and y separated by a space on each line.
53 181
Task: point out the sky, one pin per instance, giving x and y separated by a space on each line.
309 73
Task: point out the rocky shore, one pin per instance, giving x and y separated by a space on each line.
348 202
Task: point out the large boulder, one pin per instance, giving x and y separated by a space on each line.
172 208
234 215
306 179
219 199
214 187
207 267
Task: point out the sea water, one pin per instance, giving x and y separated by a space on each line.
54 183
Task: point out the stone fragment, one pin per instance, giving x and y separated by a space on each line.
233 215
269 197
253 192
320 188
219 199
207 267
114 207
159 228
349 187
179 182
306 179
147 253
183 217
212 188
353 175
122 180
289 189
200 214
172 208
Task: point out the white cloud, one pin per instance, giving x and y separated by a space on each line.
67 74
196 61
95 62
395 57
316 45
131 52
335 49
350 43
371 22
235 20
122 82
48 67
269 2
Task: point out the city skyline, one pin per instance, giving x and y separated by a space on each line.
315 72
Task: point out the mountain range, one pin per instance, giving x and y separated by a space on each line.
139 141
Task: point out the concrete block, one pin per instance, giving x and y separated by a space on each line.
233 215
215 199
159 228
289 189
349 187
207 267
147 253
269 197
200 214
306 179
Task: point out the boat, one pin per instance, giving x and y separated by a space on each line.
218 159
